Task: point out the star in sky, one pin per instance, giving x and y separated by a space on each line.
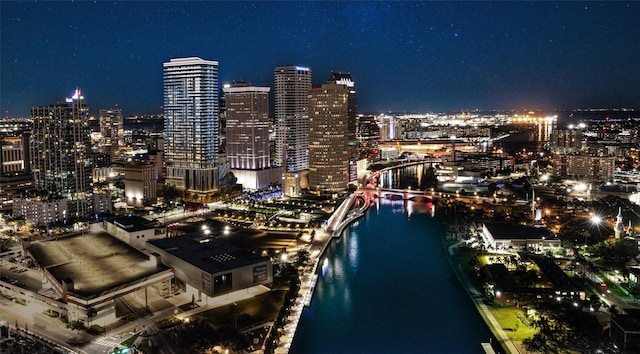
403 56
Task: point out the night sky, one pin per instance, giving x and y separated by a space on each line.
403 56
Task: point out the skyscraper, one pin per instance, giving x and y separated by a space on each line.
328 138
61 152
112 131
247 126
248 148
352 123
191 124
345 79
292 85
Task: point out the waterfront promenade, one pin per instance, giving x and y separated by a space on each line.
341 218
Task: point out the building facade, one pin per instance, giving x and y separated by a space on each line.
210 267
140 186
248 146
15 169
368 132
328 138
41 212
191 131
291 89
515 237
61 152
247 110
345 79
585 167
111 131
566 141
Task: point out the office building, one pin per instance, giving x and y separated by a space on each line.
586 168
566 141
248 150
328 138
247 126
111 131
61 153
15 169
352 124
140 187
291 89
341 78
191 132
368 131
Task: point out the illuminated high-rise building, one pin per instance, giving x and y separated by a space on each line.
15 168
345 79
112 131
191 131
352 124
328 138
248 148
247 109
61 152
291 89
566 141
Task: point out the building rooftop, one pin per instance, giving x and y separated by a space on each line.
501 276
132 223
96 262
506 231
206 253
629 323
557 277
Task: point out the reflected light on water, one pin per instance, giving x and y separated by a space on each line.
354 249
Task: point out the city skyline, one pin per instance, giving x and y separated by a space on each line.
411 56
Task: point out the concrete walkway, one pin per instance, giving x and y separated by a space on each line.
495 327
308 280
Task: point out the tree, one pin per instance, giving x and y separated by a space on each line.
302 258
170 192
228 183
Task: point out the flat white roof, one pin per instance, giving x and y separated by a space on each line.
189 61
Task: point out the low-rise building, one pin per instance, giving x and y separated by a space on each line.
211 267
140 184
41 212
514 237
134 230
625 330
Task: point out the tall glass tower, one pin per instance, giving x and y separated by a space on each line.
191 131
292 84
112 131
61 152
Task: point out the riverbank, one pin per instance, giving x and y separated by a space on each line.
309 278
386 287
506 344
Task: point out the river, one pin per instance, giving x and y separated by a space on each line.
388 287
